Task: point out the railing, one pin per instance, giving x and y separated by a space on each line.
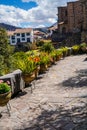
16 81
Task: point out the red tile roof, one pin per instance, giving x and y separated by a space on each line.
36 32
23 30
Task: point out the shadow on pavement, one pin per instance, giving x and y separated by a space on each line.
22 93
77 81
60 119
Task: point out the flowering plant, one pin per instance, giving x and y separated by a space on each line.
75 49
35 59
44 58
4 87
27 66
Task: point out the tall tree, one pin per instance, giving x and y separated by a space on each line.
5 50
3 41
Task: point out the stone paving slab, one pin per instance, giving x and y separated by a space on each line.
58 102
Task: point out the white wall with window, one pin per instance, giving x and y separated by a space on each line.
12 40
22 37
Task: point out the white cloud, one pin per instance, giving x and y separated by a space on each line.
44 14
12 15
40 26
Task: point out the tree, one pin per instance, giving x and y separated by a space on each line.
6 50
3 41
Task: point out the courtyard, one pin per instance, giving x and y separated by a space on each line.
58 101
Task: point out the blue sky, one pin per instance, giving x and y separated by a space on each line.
19 4
30 13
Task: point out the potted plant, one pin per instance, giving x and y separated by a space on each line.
75 49
44 60
47 47
64 51
25 63
5 92
27 66
36 60
53 57
58 54
69 52
83 47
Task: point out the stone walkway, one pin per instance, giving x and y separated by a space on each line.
58 101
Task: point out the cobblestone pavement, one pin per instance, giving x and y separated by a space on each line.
58 101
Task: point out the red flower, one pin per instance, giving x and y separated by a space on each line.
1 81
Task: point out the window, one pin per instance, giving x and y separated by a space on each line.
63 30
28 39
66 13
18 34
23 39
13 37
23 34
13 41
18 40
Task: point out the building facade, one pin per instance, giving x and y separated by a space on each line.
84 6
71 18
20 36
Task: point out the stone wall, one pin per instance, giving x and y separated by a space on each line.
62 14
16 81
68 39
71 17
75 16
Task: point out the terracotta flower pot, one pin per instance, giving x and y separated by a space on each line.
37 71
4 98
49 64
28 78
43 68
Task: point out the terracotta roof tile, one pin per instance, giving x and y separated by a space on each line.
36 32
23 30
10 33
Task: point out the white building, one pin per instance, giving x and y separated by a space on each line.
24 35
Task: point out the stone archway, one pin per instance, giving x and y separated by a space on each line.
64 30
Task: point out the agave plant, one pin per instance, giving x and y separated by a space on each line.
44 58
47 47
64 51
75 49
83 48
58 54
23 62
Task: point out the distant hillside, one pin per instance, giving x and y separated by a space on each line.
45 29
12 28
8 27
55 24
